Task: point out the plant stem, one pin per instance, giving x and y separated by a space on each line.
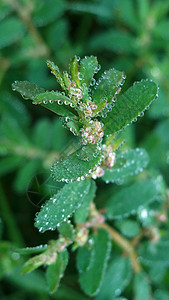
125 244
12 228
25 16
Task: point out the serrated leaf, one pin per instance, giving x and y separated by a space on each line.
62 205
127 163
27 89
129 106
117 277
129 199
85 257
55 271
141 287
74 168
108 85
91 280
82 212
11 30
74 70
87 69
66 229
155 253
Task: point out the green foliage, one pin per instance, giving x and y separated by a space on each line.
90 280
129 199
129 106
61 206
127 164
109 182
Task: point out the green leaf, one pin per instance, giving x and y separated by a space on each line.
46 12
74 70
31 250
155 253
9 164
114 40
55 271
27 89
108 85
127 14
91 279
74 168
129 199
117 277
143 10
55 102
160 295
81 213
56 72
50 97
66 229
129 228
161 30
11 30
130 105
34 263
87 69
62 205
26 173
85 256
141 287
5 9
128 163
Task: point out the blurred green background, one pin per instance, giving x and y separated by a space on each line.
129 35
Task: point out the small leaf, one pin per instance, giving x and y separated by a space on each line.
50 97
128 163
129 228
91 279
66 229
108 85
34 263
55 271
55 102
27 89
74 168
11 30
141 287
31 250
87 69
82 212
117 277
129 106
56 72
85 257
74 70
129 199
62 205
